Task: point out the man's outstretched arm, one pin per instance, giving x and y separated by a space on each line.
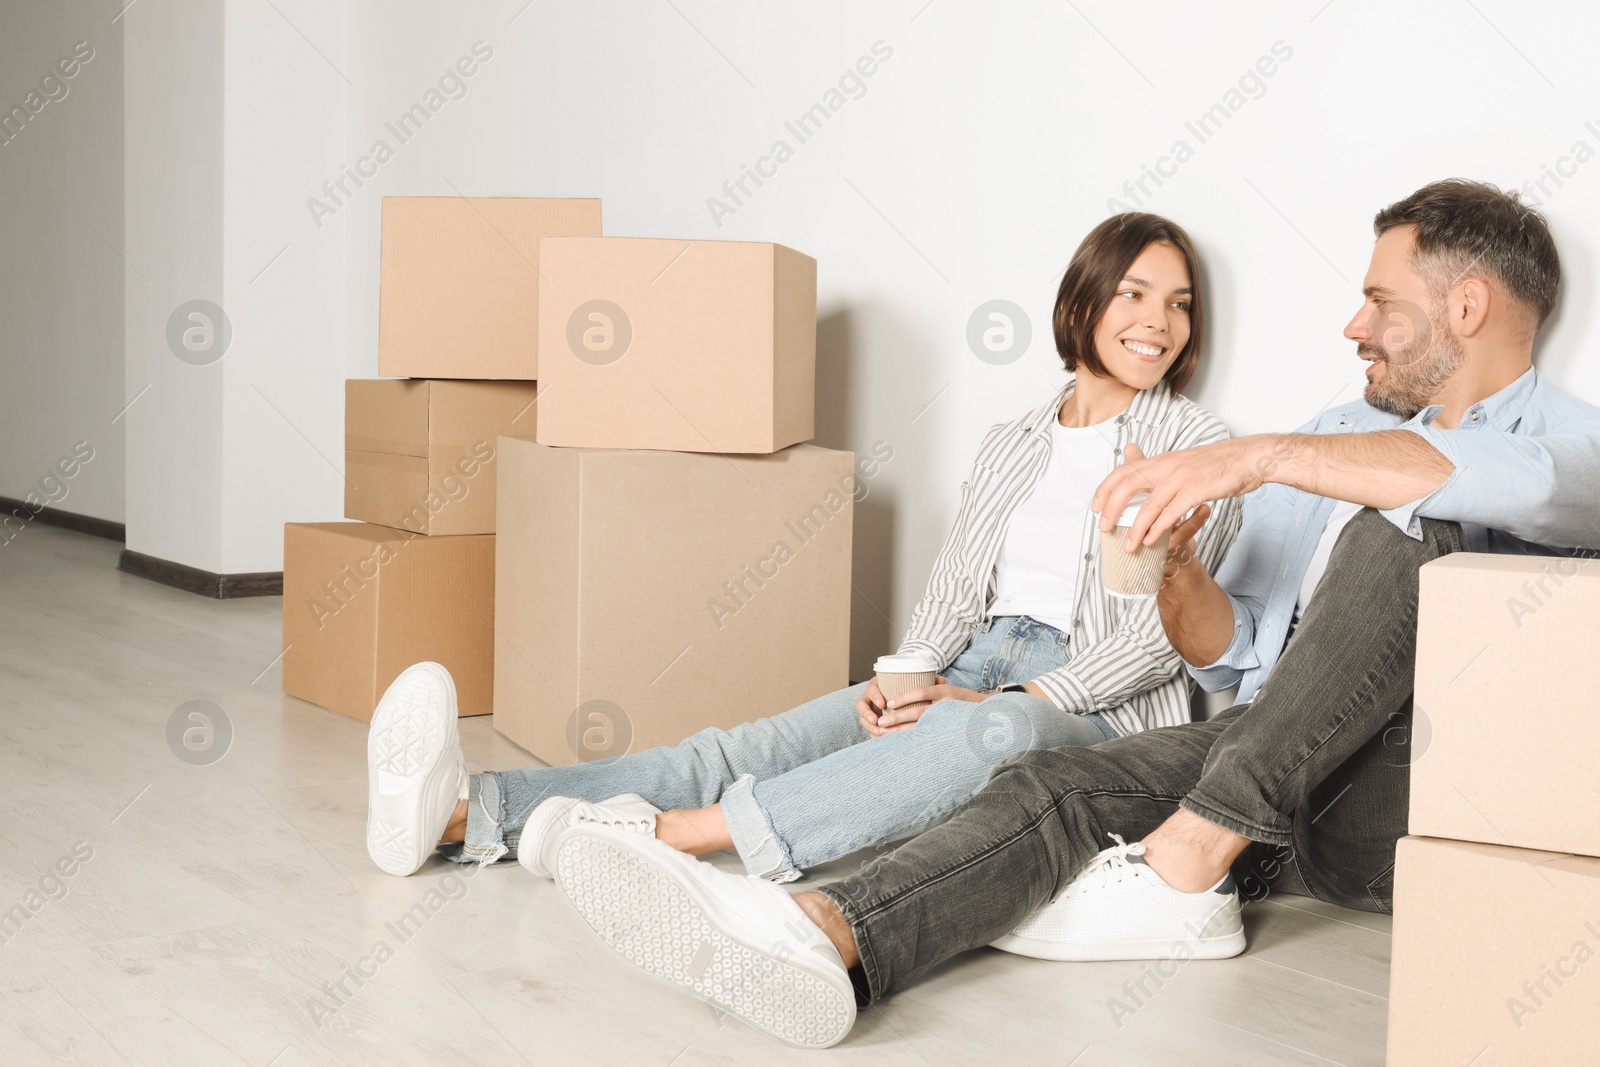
1384 470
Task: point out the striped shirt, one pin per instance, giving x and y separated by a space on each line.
1122 664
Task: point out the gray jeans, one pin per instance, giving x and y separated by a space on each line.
1315 771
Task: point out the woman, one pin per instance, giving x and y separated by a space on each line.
1014 617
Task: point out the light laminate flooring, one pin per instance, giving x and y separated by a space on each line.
220 906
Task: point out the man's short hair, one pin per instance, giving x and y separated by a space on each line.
1465 225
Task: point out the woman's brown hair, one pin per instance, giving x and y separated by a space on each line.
1094 277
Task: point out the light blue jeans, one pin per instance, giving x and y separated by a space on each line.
812 785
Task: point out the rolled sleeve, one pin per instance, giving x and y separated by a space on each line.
1537 488
1446 497
1066 691
936 657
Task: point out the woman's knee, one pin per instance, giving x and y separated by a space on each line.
945 714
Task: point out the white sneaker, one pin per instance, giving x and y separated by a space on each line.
739 943
630 811
1119 908
415 771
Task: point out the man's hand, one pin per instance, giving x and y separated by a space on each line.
1178 482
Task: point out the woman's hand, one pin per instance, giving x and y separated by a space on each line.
869 706
900 717
1181 548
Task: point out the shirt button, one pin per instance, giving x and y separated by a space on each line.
1121 419
1088 555
1077 622
1117 451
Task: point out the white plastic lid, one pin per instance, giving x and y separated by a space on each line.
1131 512
902 665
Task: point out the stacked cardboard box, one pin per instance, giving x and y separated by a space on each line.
670 556
658 552
1497 893
413 579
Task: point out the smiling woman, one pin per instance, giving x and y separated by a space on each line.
1025 646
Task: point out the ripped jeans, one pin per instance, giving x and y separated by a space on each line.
811 785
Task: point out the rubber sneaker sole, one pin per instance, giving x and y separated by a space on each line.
663 925
1226 941
405 744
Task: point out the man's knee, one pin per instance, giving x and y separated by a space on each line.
1426 538
1047 776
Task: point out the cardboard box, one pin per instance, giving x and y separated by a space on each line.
642 596
361 603
459 282
1496 956
1505 745
419 454
693 346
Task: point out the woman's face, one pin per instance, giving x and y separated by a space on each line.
1146 324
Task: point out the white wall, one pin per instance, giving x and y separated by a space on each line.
283 383
61 271
982 150
979 155
232 110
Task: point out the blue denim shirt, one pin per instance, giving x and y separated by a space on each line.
1526 481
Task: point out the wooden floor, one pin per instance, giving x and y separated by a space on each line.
221 906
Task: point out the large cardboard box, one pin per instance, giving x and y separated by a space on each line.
1505 745
1496 957
361 603
419 454
642 596
459 282
694 346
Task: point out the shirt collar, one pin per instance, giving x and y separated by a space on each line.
1147 406
1502 410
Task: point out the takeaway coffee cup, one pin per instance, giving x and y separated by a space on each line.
901 674
1134 575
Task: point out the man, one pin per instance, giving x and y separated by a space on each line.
1458 445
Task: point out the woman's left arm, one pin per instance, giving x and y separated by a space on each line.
1137 656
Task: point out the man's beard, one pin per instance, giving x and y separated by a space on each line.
1412 380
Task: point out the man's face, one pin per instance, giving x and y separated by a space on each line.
1402 330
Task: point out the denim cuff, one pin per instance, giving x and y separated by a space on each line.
758 845
1275 832
485 840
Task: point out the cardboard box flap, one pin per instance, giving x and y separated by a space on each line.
389 416
356 531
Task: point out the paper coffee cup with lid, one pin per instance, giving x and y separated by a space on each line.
1132 575
901 674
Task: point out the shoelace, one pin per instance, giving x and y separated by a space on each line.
1110 865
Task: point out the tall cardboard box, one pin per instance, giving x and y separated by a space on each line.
693 346
642 596
419 454
361 603
1506 744
458 282
1496 957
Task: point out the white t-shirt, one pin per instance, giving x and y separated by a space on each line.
1343 512
1037 569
